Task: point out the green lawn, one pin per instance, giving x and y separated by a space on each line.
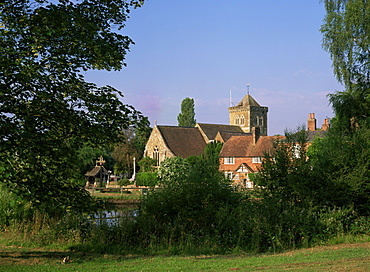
343 257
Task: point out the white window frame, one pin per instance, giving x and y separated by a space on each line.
228 175
257 160
229 160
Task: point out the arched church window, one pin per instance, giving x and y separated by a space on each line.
261 121
242 120
156 154
237 120
256 121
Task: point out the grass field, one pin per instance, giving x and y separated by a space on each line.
342 257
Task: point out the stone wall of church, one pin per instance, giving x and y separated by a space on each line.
249 117
259 119
156 147
240 116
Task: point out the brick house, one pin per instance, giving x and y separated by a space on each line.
242 155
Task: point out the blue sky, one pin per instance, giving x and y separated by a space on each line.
204 49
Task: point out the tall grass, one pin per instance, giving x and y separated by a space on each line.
215 225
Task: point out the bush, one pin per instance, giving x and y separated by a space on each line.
147 179
198 204
123 182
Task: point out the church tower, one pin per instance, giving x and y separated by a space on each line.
248 114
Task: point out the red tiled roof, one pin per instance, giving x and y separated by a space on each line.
183 141
242 146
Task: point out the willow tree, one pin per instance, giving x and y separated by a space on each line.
48 110
341 158
346 36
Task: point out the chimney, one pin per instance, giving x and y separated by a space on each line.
326 124
311 122
255 134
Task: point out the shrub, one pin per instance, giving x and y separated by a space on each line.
147 179
198 204
123 182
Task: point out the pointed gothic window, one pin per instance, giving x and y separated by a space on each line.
156 154
242 120
237 120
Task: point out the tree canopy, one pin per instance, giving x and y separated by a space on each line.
186 117
48 110
346 32
346 36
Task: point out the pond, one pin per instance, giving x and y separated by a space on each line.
115 215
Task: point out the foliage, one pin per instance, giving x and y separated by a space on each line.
12 208
195 203
186 117
346 32
48 111
173 170
88 155
125 152
147 179
147 164
285 173
289 195
123 182
212 152
132 146
142 134
340 163
341 158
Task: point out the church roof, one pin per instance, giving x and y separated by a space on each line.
183 141
223 136
242 146
248 100
211 130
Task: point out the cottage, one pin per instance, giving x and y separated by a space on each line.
242 155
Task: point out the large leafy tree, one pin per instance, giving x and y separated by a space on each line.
133 145
48 110
346 31
186 117
346 36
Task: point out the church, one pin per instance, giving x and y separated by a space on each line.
245 140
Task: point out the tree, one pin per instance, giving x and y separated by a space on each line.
340 163
286 173
186 117
211 154
346 36
346 31
132 146
125 152
194 202
48 110
147 164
